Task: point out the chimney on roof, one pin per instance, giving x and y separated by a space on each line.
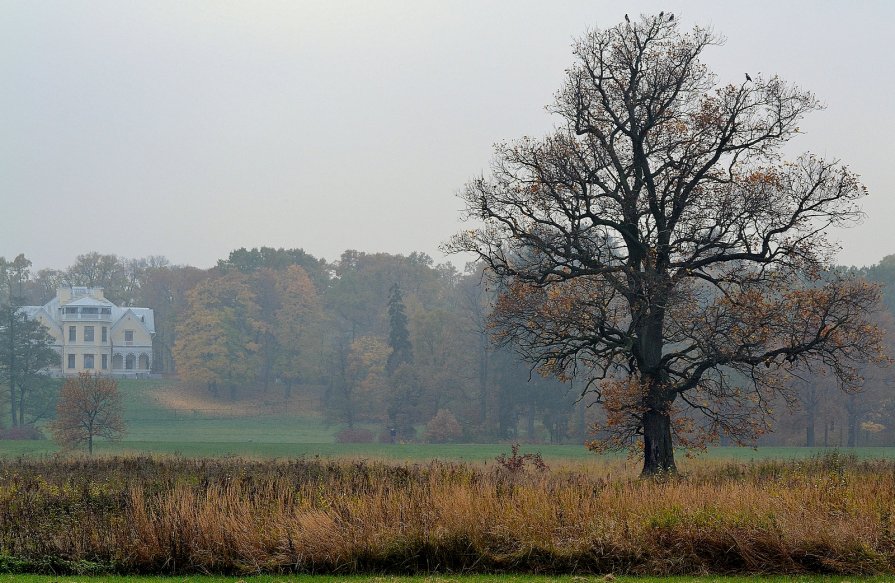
63 294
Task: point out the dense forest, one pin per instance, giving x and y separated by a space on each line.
383 341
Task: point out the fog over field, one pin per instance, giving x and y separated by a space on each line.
191 129
458 287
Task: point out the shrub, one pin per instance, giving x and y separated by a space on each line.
443 428
355 435
515 463
22 433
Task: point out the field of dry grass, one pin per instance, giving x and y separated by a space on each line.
144 515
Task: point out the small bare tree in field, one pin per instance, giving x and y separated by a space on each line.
89 406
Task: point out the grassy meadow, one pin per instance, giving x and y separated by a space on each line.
263 490
180 516
160 421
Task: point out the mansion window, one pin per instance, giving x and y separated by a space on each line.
71 361
128 335
105 335
88 361
71 334
105 358
88 333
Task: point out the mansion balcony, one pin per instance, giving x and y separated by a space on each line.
81 314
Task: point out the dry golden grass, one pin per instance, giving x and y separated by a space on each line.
141 515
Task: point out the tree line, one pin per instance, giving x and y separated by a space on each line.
374 340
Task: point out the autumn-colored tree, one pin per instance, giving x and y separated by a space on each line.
217 342
359 385
656 243
164 289
89 406
359 293
263 283
296 327
443 428
366 370
250 261
403 398
357 302
445 359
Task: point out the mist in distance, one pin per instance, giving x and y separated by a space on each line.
192 129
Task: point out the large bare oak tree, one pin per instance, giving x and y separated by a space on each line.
657 242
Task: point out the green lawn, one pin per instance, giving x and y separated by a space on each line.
155 429
403 452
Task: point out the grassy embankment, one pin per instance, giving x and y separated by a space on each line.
150 515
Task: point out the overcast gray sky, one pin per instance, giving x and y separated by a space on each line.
188 129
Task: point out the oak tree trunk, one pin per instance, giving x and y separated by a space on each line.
658 451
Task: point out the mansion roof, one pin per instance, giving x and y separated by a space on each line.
53 309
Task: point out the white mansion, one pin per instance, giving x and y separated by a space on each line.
93 334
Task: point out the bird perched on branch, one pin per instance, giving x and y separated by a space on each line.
748 78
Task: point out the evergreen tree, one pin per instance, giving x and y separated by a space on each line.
398 334
25 353
25 346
